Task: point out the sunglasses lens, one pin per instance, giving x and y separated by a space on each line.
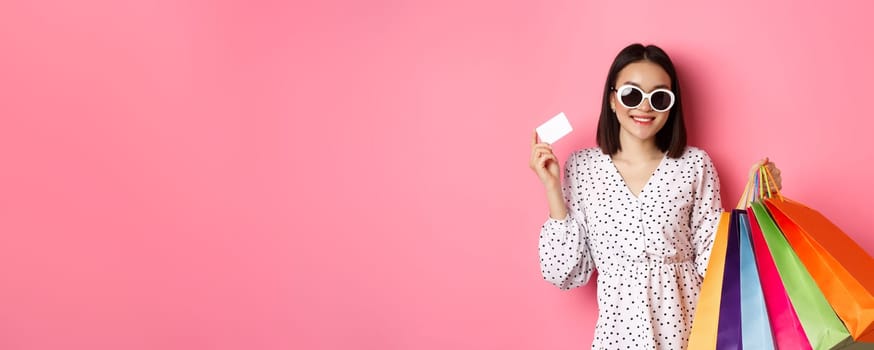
661 100
630 97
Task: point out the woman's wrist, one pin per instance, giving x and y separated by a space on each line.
553 186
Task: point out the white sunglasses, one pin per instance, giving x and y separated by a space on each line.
631 96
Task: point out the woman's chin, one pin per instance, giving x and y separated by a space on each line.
642 134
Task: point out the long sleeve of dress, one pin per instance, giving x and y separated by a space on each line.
705 213
565 260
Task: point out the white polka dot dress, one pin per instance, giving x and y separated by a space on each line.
650 251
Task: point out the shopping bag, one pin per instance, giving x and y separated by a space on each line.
756 328
706 321
730 335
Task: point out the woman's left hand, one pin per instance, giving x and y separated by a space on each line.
775 172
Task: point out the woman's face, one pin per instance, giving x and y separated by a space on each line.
641 122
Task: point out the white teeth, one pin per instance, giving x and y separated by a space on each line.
643 119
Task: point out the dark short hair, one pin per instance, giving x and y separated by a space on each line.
672 137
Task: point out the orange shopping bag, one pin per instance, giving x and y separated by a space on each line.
706 321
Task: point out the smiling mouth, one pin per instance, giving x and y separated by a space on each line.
643 120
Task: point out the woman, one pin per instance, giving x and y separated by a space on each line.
642 208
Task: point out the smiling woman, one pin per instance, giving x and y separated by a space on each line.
641 208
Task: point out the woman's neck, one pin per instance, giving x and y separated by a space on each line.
634 149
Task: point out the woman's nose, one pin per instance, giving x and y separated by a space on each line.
645 105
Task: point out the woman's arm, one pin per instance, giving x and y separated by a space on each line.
565 260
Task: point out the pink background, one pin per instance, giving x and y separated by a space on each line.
325 175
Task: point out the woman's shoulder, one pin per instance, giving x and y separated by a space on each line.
585 155
695 154
697 159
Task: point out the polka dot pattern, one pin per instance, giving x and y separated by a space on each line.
650 250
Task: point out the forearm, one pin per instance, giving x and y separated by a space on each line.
557 205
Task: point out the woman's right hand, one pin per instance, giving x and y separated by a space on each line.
544 163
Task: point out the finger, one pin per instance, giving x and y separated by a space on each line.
779 182
549 156
543 147
546 155
762 162
535 160
544 160
535 139
539 152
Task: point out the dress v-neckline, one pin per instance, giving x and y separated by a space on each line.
625 184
